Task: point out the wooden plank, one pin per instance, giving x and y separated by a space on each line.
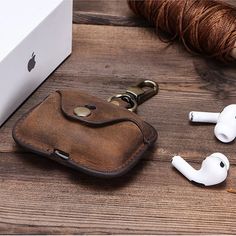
115 12
39 196
81 17
114 7
110 62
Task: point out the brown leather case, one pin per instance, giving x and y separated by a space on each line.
107 143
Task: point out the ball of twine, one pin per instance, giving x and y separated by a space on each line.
205 27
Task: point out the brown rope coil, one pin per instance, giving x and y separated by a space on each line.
205 27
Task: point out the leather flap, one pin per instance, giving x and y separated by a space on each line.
102 112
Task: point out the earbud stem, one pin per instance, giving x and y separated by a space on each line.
203 117
181 165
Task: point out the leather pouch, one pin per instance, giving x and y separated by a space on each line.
106 140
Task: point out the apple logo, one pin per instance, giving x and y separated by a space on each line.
32 62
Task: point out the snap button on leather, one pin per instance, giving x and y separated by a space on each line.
82 111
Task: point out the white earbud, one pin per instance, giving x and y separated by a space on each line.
225 129
213 170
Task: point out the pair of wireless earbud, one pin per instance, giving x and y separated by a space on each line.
215 167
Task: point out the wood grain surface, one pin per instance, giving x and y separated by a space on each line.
38 196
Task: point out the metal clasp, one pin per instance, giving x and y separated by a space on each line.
143 91
138 94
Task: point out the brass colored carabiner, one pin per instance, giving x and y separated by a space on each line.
143 91
138 94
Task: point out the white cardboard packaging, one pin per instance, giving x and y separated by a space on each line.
35 38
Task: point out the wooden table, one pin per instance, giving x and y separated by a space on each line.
113 50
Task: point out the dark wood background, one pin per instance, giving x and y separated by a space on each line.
112 50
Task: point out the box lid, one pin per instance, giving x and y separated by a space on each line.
18 18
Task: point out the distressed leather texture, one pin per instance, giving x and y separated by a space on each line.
107 143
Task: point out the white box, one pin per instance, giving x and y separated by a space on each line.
35 38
